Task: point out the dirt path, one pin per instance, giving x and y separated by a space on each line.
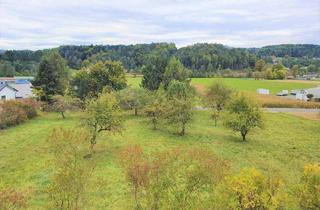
292 110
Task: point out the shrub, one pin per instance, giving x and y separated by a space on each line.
12 199
137 171
173 179
30 106
72 172
309 188
15 112
11 114
250 189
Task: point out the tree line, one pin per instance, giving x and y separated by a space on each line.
202 59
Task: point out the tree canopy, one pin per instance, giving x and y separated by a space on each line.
91 80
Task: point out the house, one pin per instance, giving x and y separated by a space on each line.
263 91
7 92
21 86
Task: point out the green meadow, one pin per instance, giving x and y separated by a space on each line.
244 84
285 144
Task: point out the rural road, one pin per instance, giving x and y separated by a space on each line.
291 110
277 110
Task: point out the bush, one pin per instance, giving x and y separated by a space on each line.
68 188
30 106
176 179
11 114
12 199
250 189
309 189
15 112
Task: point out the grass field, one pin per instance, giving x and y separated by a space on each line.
244 84
24 152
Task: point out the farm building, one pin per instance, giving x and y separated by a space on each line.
14 88
7 92
263 91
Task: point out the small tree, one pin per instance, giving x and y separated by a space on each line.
309 188
243 115
69 184
103 114
179 110
155 107
174 71
61 104
217 97
133 99
90 81
260 65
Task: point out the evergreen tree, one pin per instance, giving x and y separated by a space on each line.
52 76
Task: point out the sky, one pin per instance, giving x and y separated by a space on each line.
39 24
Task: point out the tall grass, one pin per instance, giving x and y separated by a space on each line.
271 101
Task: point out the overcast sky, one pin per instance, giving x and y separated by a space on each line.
38 24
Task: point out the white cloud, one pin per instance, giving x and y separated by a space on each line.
48 23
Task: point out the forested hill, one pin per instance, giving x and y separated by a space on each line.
292 50
202 59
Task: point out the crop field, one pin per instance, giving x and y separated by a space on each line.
25 154
250 85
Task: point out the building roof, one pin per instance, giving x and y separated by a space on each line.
2 86
22 81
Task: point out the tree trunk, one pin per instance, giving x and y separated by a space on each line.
154 121
62 114
93 141
243 134
135 111
183 130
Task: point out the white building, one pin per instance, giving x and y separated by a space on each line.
7 92
21 87
263 91
24 89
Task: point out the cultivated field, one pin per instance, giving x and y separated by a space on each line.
250 85
25 154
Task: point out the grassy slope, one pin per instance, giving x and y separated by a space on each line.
24 155
244 84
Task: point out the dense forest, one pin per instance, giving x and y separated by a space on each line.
201 59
